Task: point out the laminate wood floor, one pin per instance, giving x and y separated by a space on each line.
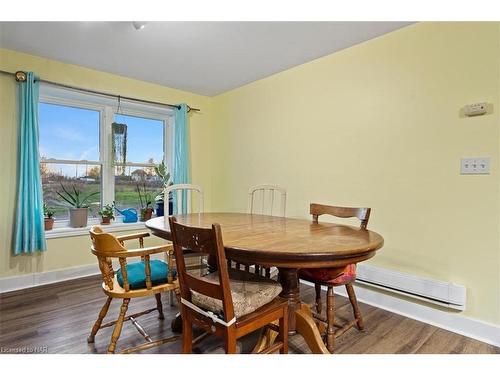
57 318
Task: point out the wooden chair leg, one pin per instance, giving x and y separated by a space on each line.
284 332
330 317
100 318
354 302
118 327
187 335
159 306
317 288
172 297
230 341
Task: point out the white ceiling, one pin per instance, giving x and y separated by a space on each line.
207 58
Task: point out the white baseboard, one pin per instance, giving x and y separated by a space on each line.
9 284
451 321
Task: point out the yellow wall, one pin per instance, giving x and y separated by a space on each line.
378 125
74 251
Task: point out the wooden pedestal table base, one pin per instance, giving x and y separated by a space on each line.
304 326
300 318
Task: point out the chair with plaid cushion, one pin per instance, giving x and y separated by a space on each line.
228 303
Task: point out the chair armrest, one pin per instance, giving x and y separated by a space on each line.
138 252
133 236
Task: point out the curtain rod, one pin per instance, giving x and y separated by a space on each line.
20 76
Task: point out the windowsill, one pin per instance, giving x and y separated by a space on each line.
66 231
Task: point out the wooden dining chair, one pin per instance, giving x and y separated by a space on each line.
132 280
227 303
263 200
332 277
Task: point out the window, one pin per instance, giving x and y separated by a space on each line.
145 145
69 154
83 146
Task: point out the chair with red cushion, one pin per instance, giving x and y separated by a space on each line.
332 277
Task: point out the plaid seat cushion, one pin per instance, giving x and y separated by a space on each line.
248 291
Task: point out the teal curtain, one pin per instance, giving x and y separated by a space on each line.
180 170
29 232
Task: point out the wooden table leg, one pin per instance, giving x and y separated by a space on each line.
306 327
289 281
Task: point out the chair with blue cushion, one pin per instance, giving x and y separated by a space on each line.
142 278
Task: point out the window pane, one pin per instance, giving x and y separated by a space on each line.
85 178
126 184
144 139
68 133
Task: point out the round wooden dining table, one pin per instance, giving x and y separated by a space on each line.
288 244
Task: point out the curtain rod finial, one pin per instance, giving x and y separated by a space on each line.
20 76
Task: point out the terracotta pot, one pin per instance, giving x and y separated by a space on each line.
146 214
78 217
105 220
49 223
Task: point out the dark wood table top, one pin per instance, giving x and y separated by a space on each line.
282 242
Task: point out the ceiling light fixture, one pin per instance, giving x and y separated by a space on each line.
139 25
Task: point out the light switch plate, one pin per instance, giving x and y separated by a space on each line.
475 166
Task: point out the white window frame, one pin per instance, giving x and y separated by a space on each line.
107 108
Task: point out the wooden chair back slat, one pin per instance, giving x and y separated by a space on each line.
207 241
362 213
105 242
123 269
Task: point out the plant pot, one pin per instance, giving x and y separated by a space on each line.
49 223
78 217
105 220
146 214
160 210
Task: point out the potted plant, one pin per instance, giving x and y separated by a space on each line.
146 200
161 171
107 213
79 206
48 215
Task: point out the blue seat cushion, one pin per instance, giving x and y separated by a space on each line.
136 274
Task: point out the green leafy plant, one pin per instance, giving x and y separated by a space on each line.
145 197
162 172
75 199
47 211
108 211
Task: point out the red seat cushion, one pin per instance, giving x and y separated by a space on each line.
333 276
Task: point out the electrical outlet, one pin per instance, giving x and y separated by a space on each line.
475 166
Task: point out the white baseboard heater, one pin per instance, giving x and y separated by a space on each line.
441 293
